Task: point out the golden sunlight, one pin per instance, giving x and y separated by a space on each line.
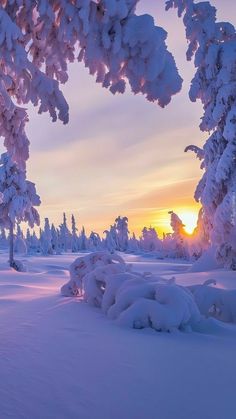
189 218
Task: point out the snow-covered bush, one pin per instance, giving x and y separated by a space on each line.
130 298
171 307
84 265
215 302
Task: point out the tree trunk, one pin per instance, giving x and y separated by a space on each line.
11 246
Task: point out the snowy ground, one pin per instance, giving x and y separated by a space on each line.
61 359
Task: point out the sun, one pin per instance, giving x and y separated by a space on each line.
189 219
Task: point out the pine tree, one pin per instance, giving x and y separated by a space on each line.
64 235
122 233
46 239
74 239
18 198
82 240
55 240
178 236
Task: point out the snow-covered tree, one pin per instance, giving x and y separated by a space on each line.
178 236
122 233
74 238
64 235
35 243
39 38
46 239
82 240
149 240
95 242
133 245
213 45
110 239
17 201
55 240
199 241
20 245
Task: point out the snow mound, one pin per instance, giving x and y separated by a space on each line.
19 266
139 300
130 298
215 302
207 262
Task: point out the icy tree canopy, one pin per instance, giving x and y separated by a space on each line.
38 38
213 46
18 196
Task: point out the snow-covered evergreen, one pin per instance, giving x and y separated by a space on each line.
213 46
46 239
18 199
149 240
59 240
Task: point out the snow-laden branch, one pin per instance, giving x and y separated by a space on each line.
213 46
38 38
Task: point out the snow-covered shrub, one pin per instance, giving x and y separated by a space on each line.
131 291
215 302
132 299
95 283
171 308
84 265
140 300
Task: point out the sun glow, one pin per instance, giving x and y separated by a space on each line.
189 219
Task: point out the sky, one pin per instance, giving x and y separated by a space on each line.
121 155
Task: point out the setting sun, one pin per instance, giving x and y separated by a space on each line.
189 219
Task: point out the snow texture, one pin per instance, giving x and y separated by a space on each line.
141 300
